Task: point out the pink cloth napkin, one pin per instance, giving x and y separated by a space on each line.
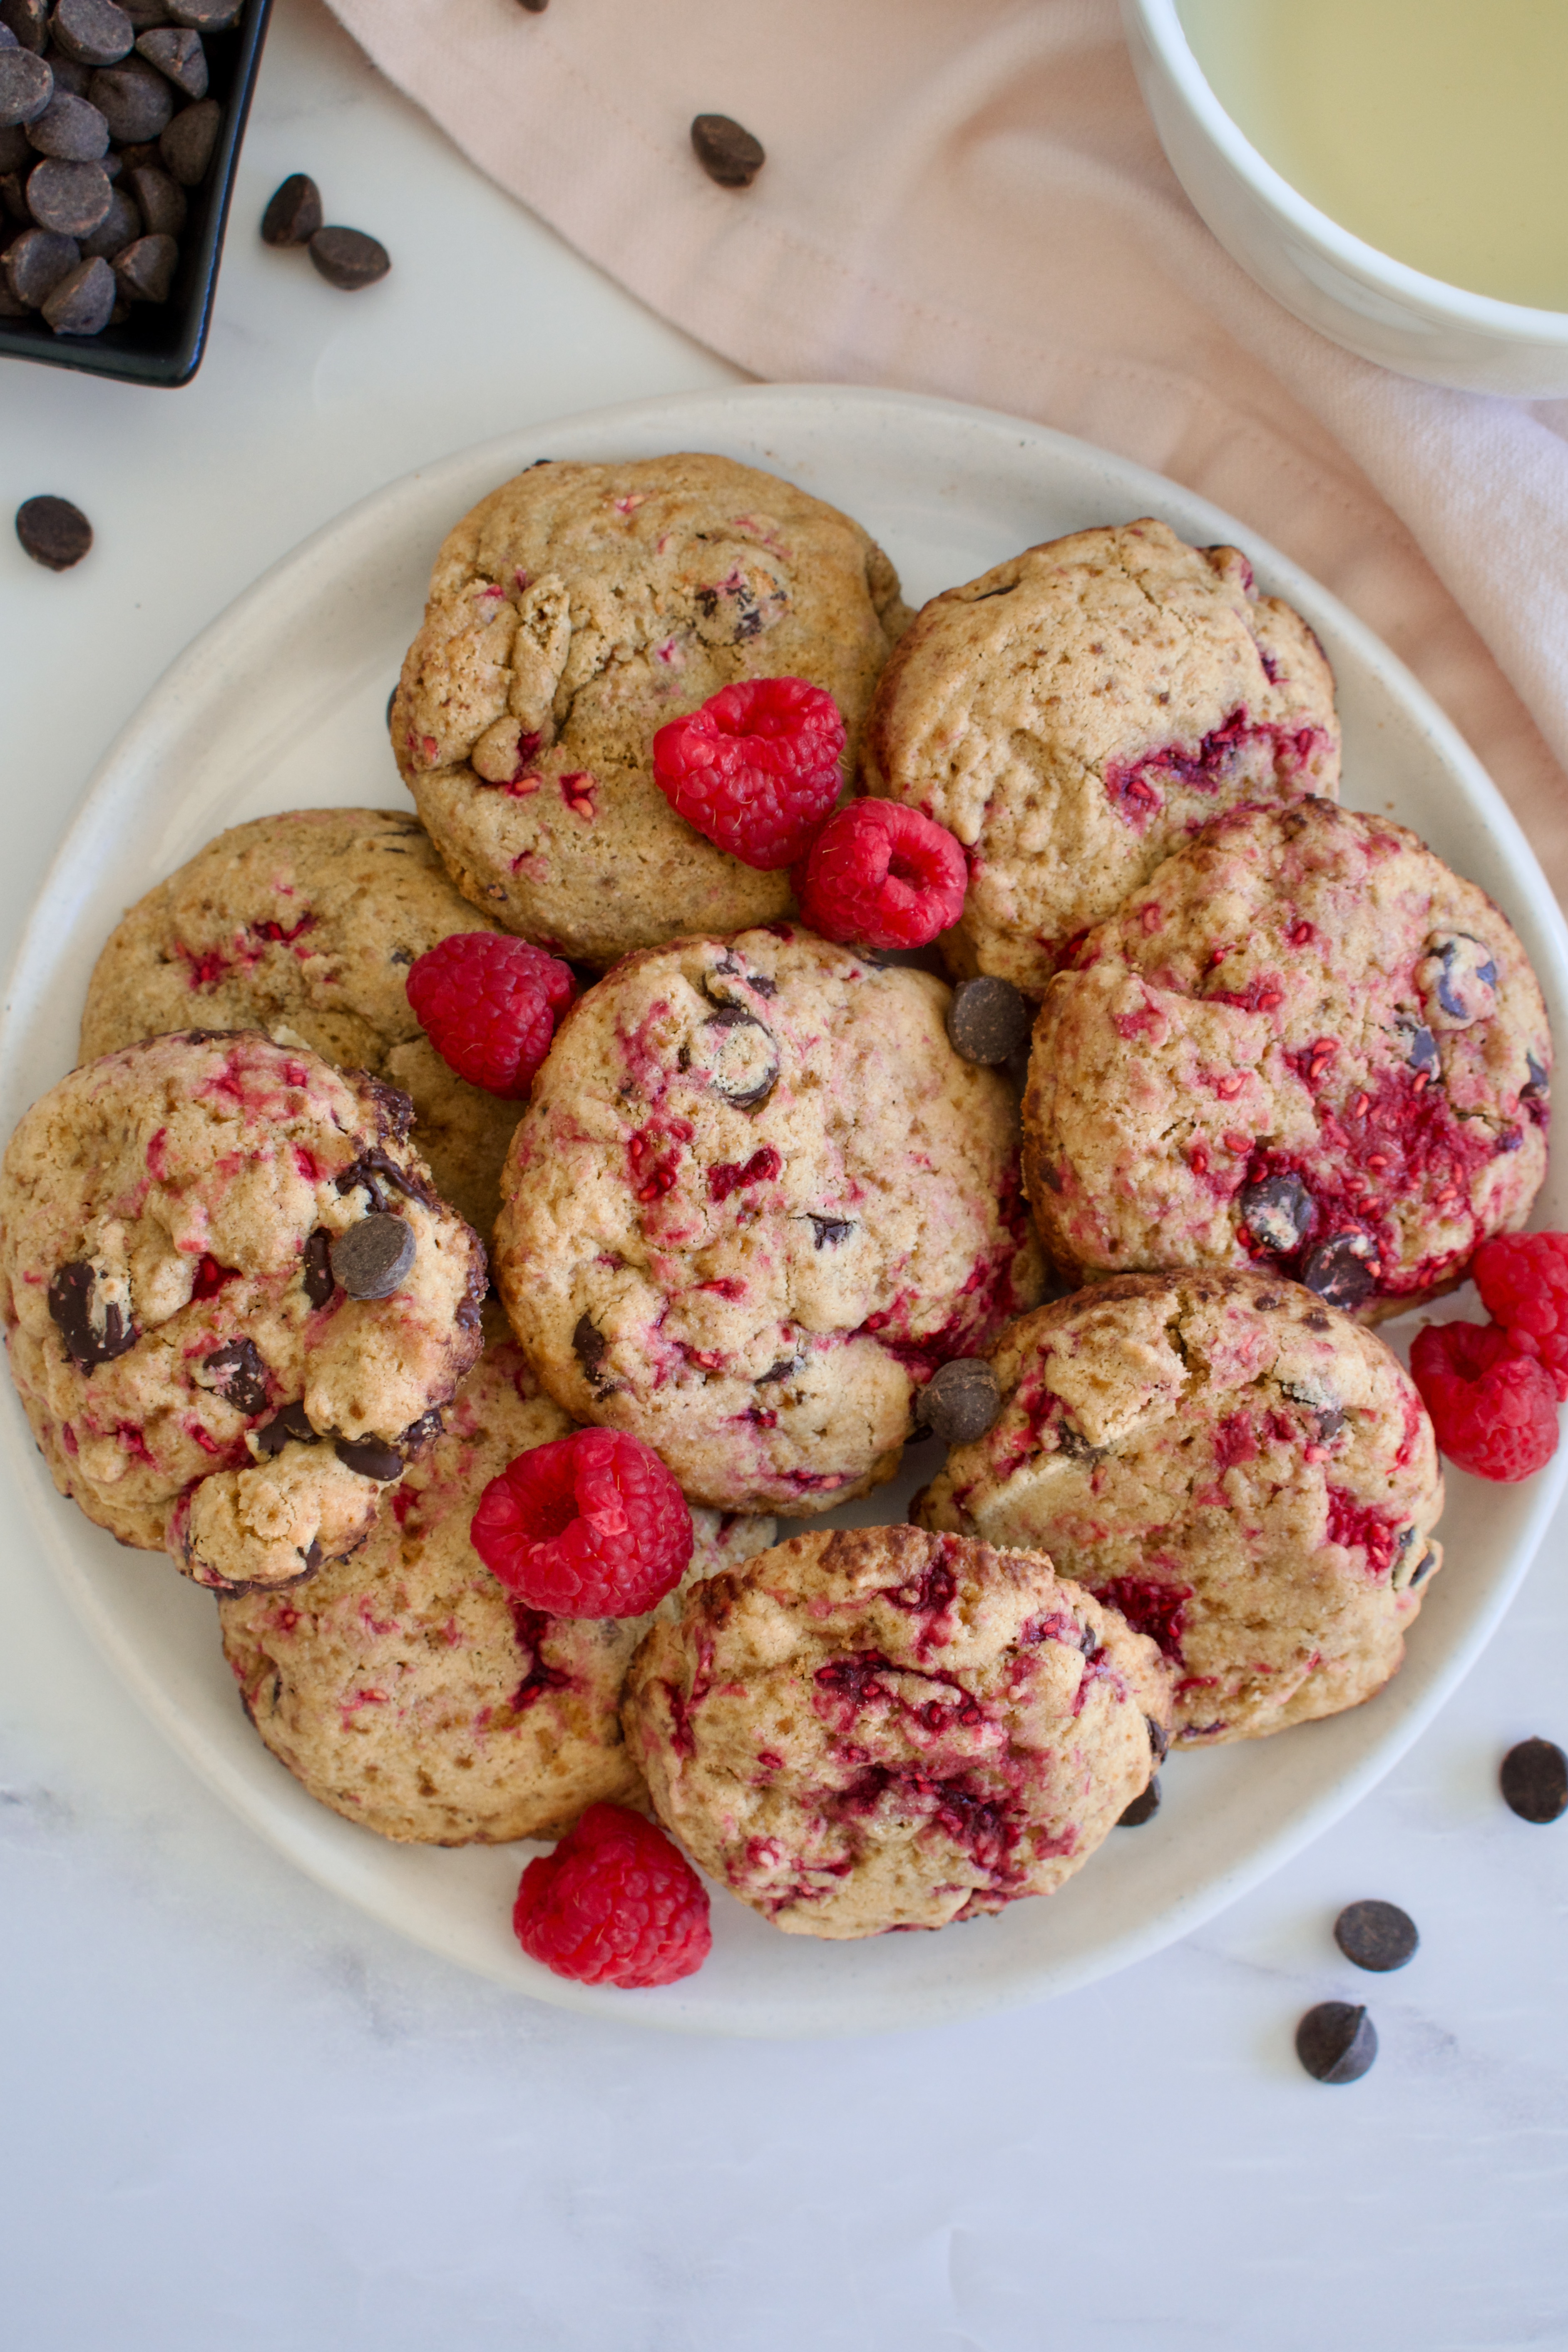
967 197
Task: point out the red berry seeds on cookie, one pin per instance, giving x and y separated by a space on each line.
615 1904
489 1006
756 769
882 876
588 1526
1495 1412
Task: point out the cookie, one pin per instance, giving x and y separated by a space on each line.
572 613
305 925
1077 711
1246 1475
181 1227
755 1200
885 1728
410 1691
1306 1045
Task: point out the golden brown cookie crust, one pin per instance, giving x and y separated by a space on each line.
755 1200
572 613
305 925
881 1728
1248 1474
1076 711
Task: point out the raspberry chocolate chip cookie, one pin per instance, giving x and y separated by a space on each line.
306 926
573 613
1305 1045
755 1200
886 1729
1077 711
408 1691
1248 1475
234 1305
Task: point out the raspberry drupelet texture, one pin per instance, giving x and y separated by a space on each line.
756 769
615 1904
1495 1412
588 1526
881 875
1523 1282
489 1006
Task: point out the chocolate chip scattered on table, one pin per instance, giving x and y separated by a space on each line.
294 213
1336 2041
727 151
1376 1935
54 532
1534 1778
348 259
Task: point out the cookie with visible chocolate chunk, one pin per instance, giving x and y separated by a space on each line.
1305 1045
880 1728
755 1200
1247 1475
576 610
305 925
1076 711
410 1691
197 1376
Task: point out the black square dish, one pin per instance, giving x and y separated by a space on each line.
163 342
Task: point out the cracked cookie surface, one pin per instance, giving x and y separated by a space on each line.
305 925
411 1693
1304 1045
881 1728
755 1200
1248 1475
1076 712
197 1379
572 613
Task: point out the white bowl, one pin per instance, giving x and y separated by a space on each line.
1332 280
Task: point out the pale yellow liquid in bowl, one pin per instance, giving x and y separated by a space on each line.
1436 130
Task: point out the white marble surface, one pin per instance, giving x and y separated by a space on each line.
233 2112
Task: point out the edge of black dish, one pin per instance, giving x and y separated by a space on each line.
161 343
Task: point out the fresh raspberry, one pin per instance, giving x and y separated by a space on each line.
756 769
1523 1282
615 1904
1495 1412
489 1006
589 1526
882 875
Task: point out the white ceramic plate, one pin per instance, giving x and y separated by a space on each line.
279 705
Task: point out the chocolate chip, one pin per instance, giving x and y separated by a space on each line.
373 1258
312 1559
160 200
292 1425
70 198
93 32
726 151
17 149
1538 1085
347 258
1421 1050
204 16
779 1372
960 1401
316 1267
54 532
82 302
292 218
534 8
135 100
1339 1272
121 226
375 1169
71 129
1423 1567
1377 1935
28 21
590 1347
1278 1212
26 86
239 1375
68 75
370 1457
739 1056
1336 2042
145 14
186 146
178 54
421 1434
95 1329
1144 1806
146 271
1535 1777
829 1231
988 1019
1159 1740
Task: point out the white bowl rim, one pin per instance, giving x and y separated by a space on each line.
1514 321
